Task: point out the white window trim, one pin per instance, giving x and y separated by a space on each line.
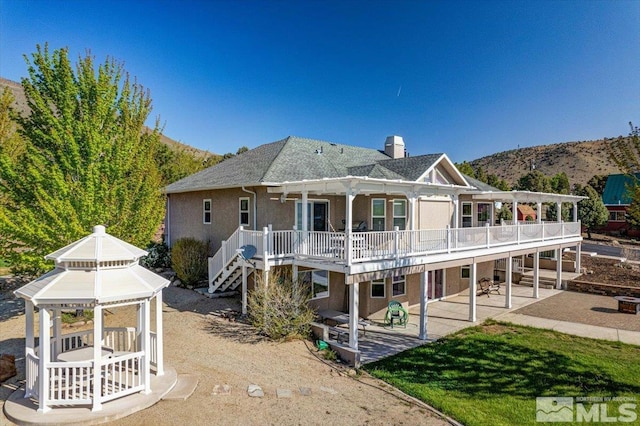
393 211
462 215
404 287
384 286
205 211
310 201
384 216
617 213
463 267
248 211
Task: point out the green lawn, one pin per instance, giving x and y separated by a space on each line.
491 374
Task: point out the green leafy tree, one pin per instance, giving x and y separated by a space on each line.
560 184
466 169
598 182
504 212
496 182
481 175
88 160
592 212
534 181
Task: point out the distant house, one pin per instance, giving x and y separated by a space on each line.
526 213
617 199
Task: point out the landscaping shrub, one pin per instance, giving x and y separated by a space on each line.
281 310
189 260
158 256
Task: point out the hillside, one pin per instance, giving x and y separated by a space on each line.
579 160
21 104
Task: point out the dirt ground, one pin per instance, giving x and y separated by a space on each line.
608 271
199 341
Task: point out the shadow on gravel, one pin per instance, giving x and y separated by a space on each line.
10 308
605 310
232 329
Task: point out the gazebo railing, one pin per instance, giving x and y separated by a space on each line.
121 376
70 382
33 378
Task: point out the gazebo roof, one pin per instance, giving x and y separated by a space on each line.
97 269
97 247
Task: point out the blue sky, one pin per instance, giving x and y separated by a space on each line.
469 78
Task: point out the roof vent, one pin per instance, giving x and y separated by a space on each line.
394 147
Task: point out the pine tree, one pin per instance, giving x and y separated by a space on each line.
88 159
592 212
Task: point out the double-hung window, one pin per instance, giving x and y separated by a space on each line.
400 214
398 286
244 211
378 214
467 215
206 211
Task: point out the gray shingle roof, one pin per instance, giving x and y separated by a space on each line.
479 184
295 159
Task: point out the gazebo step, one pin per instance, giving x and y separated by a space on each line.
184 387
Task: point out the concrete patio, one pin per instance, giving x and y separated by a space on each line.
444 317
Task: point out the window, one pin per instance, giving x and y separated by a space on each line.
398 287
400 214
378 214
317 215
484 213
467 215
378 289
465 271
244 211
206 211
617 216
317 280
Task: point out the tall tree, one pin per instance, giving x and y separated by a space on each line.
592 212
466 169
89 159
625 152
560 184
598 182
534 181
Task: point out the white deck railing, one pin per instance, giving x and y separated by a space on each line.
384 245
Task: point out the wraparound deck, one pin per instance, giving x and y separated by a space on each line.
348 250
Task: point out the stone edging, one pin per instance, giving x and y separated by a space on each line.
602 289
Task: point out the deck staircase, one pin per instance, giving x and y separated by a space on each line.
229 278
543 282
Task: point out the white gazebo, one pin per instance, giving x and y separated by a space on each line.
95 366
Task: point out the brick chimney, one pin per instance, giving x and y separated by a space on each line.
394 147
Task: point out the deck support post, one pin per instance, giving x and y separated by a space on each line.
472 292
348 243
559 268
536 274
514 212
244 289
354 314
578 257
509 279
424 285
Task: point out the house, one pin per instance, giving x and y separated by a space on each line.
361 226
526 213
617 199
